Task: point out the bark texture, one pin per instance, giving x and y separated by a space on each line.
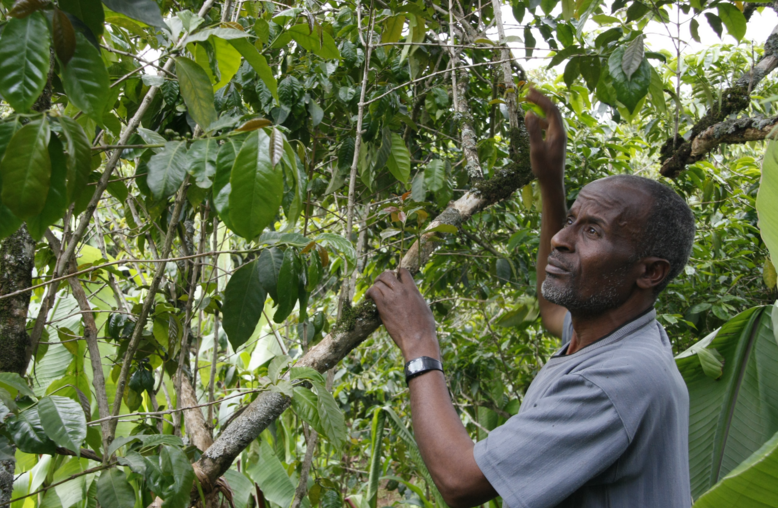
739 130
17 258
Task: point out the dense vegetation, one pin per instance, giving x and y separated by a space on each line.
195 195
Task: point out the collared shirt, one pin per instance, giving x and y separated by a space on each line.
606 426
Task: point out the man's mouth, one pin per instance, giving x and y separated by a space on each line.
554 267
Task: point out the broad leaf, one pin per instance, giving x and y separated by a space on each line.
114 490
288 285
225 159
195 87
167 169
24 60
57 199
90 12
228 59
64 421
376 441
399 161
257 188
202 161
63 36
271 477
342 246
766 199
730 418
258 63
754 483
633 56
244 299
85 80
393 28
13 382
178 472
733 19
435 175
27 432
269 267
306 405
629 91
26 170
146 11
79 153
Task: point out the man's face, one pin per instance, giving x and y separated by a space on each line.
592 267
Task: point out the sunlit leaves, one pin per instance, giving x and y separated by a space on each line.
766 200
257 187
196 90
393 28
629 91
244 300
85 80
146 11
63 420
26 170
167 169
733 19
24 60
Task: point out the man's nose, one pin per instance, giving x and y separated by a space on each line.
563 240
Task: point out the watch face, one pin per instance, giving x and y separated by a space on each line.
415 366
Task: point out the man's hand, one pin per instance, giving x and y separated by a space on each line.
546 156
405 314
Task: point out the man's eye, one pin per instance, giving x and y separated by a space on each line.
591 231
568 221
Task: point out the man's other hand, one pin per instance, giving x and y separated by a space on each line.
405 314
547 156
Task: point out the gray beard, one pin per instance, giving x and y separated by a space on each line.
569 296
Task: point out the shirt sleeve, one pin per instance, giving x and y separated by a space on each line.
548 451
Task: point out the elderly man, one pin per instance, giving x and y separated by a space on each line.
605 422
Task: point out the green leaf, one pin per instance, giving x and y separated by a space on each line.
302 35
85 80
376 441
435 175
26 170
146 11
57 200
766 198
399 161
221 183
202 161
748 387
633 56
64 421
13 382
733 19
289 91
656 89
269 268
79 158
242 488
694 28
257 188
288 285
270 475
244 299
27 433
180 476
333 423
548 5
258 63
89 11
393 29
712 362
226 34
196 90
305 404
329 50
629 91
114 490
342 246
753 483
24 60
715 23
228 59
167 169
590 70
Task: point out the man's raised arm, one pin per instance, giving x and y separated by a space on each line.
548 164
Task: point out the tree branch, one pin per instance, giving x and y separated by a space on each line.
734 131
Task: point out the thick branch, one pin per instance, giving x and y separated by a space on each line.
196 429
734 131
676 153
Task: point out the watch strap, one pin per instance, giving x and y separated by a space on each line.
420 365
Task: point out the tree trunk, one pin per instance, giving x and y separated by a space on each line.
17 256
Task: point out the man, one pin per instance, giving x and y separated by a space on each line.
605 422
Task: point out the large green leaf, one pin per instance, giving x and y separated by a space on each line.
167 169
257 187
86 80
754 483
195 87
258 63
24 60
435 175
178 472
89 11
399 161
79 153
63 420
733 19
270 261
228 59
244 299
114 490
376 442
27 432
629 90
341 245
733 416
14 383
225 159
26 170
766 199
306 405
393 28
146 11
288 285
271 477
202 161
57 199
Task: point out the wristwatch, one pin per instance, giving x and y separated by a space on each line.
419 366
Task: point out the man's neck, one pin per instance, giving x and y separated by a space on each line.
588 329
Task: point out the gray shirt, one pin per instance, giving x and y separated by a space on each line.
604 427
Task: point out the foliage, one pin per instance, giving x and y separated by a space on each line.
246 122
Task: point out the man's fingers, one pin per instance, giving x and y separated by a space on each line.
405 277
553 115
375 294
388 278
532 121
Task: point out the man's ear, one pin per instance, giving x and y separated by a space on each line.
654 271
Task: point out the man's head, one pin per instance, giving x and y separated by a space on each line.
625 237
